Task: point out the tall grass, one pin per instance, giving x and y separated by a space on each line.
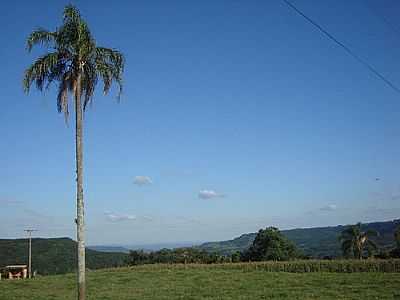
297 266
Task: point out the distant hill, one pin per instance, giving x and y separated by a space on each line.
54 256
156 247
316 242
144 247
105 248
58 255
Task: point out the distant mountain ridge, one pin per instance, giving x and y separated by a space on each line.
315 242
105 248
144 247
58 255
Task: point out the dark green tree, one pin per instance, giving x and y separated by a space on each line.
395 253
271 244
137 257
397 236
175 256
76 64
356 243
235 256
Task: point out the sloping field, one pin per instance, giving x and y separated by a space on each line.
154 282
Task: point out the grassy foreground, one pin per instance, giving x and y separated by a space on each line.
199 282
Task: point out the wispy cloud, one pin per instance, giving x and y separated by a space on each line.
112 217
328 207
188 220
48 224
387 194
180 223
395 197
380 212
209 194
142 180
8 201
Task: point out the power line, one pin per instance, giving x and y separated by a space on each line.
347 49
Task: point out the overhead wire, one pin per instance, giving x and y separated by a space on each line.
342 45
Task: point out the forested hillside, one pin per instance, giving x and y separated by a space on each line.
315 242
54 256
58 255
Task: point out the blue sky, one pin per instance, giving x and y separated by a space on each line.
235 116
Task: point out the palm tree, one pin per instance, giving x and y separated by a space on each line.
355 241
75 63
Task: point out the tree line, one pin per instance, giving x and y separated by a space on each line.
175 256
271 245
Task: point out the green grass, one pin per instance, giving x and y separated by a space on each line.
153 282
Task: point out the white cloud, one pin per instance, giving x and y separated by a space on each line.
209 194
112 217
329 207
147 218
142 180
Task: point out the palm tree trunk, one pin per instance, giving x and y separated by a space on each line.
79 192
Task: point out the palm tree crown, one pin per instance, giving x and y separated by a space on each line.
72 52
355 241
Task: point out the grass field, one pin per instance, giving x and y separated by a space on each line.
199 282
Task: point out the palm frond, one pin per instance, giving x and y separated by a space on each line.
42 70
104 71
71 14
66 85
88 83
40 36
110 65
